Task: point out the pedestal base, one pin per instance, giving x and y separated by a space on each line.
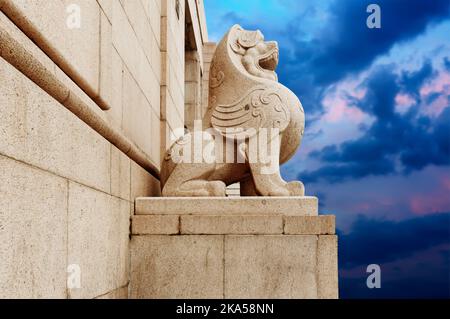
232 248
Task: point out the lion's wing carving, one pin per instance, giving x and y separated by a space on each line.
262 107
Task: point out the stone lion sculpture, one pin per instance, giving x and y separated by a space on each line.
252 125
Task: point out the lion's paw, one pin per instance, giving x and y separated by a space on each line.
296 188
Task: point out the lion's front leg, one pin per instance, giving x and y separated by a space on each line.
265 171
266 175
268 184
274 185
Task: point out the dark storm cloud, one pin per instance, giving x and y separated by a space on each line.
433 285
415 140
447 63
373 241
412 81
346 46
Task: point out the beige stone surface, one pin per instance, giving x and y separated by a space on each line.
119 293
142 183
106 6
120 174
33 232
153 10
327 267
36 129
231 224
143 29
155 224
298 206
137 114
155 137
169 110
208 52
75 50
106 60
98 231
130 50
116 87
176 267
60 88
194 31
17 34
278 266
172 71
259 265
309 225
192 110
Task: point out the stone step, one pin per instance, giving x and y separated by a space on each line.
289 206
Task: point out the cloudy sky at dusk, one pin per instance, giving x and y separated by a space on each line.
377 144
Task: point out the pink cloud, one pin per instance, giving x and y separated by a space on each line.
437 106
403 102
446 182
338 109
441 84
425 204
432 199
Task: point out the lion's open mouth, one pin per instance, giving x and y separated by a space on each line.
269 61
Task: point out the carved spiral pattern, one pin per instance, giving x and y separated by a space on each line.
217 77
260 107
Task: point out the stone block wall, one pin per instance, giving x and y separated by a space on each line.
66 198
172 73
208 52
66 192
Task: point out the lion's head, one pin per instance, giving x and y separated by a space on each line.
258 57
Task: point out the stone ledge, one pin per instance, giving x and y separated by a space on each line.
244 224
231 224
292 206
155 225
310 225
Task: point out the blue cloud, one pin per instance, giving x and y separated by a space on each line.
447 63
348 45
380 242
434 284
413 139
412 81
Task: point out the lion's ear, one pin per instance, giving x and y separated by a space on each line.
249 39
237 48
243 39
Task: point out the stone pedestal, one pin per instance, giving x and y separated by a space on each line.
238 247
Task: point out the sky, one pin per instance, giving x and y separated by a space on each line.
376 149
